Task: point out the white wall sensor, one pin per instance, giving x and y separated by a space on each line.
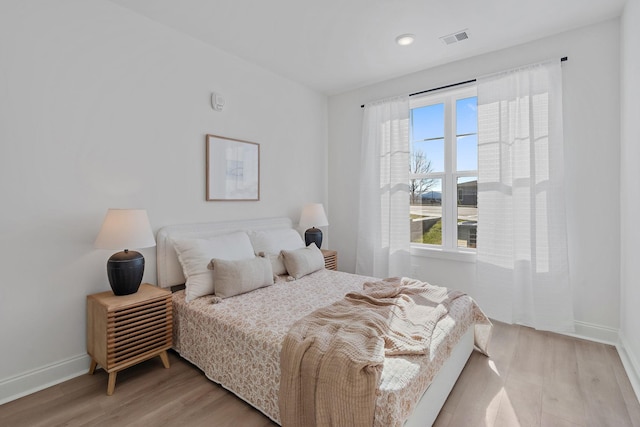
217 101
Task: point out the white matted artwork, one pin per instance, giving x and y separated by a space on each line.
233 169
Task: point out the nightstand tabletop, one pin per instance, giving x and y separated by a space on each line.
145 293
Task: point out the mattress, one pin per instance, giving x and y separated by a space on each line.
237 342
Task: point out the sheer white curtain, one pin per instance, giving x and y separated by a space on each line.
522 260
383 219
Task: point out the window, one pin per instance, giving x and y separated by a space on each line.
443 169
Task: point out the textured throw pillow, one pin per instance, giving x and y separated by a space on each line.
301 262
272 242
194 256
238 277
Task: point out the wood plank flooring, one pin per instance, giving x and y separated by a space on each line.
532 379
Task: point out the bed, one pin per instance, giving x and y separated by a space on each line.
236 341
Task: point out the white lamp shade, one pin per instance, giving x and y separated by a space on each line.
125 229
313 216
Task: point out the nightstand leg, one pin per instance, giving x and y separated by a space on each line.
165 359
112 383
92 367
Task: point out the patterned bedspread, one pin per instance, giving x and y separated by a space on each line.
237 342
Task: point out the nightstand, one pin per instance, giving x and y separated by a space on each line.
125 330
330 259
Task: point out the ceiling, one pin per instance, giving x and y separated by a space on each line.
337 45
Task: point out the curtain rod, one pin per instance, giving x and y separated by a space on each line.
564 58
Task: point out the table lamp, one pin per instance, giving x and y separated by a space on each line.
125 228
313 216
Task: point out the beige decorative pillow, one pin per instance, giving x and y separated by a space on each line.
301 262
237 277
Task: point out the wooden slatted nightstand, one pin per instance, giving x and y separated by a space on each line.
330 259
125 330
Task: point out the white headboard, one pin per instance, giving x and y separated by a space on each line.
169 268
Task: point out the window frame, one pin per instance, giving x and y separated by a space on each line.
449 248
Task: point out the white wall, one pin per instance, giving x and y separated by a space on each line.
100 108
630 194
592 135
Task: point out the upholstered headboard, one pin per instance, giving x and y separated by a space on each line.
169 268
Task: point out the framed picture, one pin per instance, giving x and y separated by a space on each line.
233 169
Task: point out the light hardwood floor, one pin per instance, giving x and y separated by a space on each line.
532 379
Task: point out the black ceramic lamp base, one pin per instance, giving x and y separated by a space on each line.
313 235
125 270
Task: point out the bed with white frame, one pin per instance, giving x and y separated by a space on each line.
261 391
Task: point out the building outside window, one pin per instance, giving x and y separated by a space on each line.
443 169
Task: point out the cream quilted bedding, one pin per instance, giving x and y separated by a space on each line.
237 342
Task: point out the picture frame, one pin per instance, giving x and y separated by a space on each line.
233 169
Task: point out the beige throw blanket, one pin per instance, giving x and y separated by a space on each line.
331 360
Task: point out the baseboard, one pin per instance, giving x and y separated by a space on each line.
597 333
38 379
630 363
613 337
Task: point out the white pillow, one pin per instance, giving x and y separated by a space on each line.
195 254
272 242
232 278
277 263
301 262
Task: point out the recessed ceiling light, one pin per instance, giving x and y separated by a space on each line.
405 39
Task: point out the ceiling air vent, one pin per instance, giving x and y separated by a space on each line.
455 37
